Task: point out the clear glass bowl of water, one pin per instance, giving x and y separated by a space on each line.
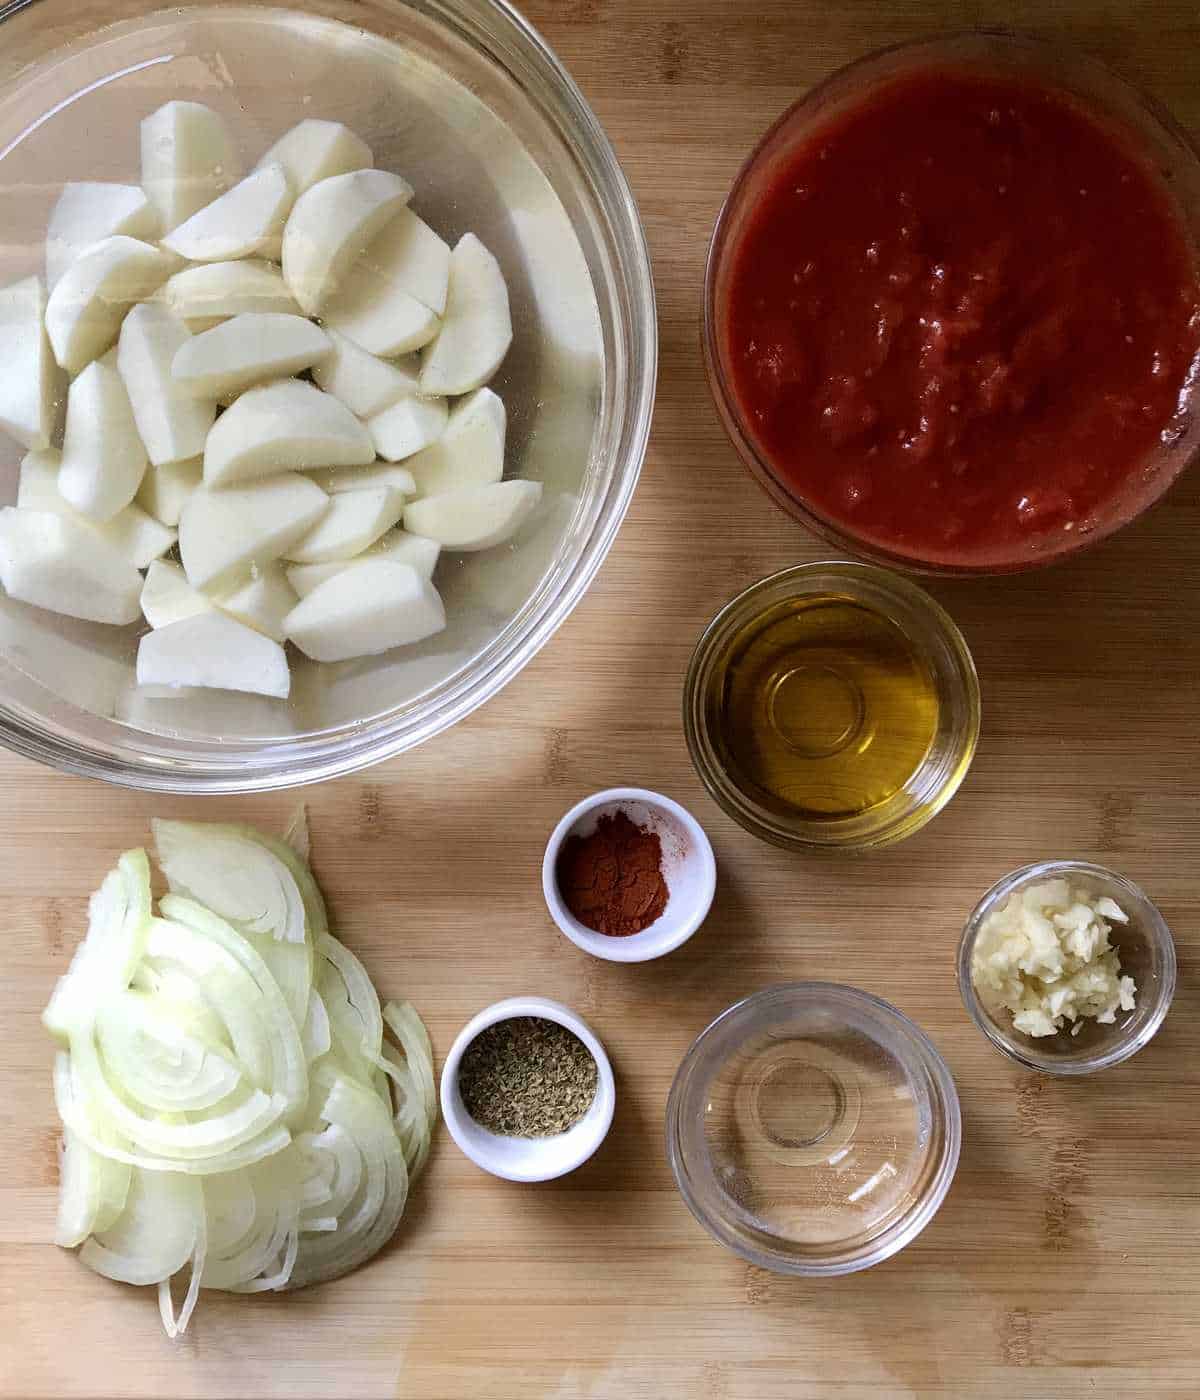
466 101
813 1129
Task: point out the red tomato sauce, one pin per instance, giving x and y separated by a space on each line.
961 317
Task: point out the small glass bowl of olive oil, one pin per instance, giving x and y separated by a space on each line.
832 705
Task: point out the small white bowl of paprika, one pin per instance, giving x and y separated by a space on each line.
628 875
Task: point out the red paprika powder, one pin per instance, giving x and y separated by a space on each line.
612 881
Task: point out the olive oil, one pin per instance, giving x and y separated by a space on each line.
826 708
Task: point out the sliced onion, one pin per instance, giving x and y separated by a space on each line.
355 1019
336 1148
238 879
272 1192
156 1233
194 1041
205 974
372 1217
158 1062
290 1074
231 1209
314 1224
180 999
176 1326
291 965
315 1034
414 1087
118 916
297 835
92 1193
283 1273
68 1097
234 1121
310 892
402 1020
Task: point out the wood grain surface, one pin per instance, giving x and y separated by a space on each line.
1063 1263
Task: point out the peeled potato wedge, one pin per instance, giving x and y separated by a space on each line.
206 295
316 150
56 562
187 160
397 546
103 459
471 450
212 650
168 597
137 536
478 517
88 211
365 610
289 426
37 482
165 489
223 533
330 226
339 479
31 384
476 329
89 301
365 383
408 426
134 534
173 423
247 350
262 602
237 223
408 255
379 317
353 522
288 504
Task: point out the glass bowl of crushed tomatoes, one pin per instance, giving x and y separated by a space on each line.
952 305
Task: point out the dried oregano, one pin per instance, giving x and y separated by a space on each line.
527 1077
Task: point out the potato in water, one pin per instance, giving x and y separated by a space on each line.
237 358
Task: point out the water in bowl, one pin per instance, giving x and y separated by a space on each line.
816 1138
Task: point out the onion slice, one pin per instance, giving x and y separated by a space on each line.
375 1211
240 880
297 834
156 1233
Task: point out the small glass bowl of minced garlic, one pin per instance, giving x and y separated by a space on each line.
527 1090
1067 967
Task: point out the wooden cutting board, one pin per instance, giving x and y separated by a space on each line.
1063 1263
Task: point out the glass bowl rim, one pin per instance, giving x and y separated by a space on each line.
905 1228
1157 932
721 390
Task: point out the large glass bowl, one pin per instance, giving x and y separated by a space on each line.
1170 154
466 100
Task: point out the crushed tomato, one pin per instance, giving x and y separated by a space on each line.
962 316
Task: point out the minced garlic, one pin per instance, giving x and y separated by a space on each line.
1045 955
